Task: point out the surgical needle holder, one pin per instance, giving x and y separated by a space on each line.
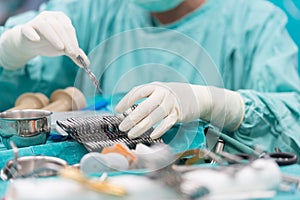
90 73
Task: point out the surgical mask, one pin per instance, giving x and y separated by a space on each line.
157 5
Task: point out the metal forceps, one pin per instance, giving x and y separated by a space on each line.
90 73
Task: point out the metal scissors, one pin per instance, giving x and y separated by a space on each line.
281 158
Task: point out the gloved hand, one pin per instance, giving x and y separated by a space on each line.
48 34
179 102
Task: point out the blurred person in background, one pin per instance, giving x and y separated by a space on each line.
10 8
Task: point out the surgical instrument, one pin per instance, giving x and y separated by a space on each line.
229 140
196 156
99 131
281 158
284 158
90 73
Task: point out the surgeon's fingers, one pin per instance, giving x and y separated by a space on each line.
68 35
165 125
133 96
47 29
158 114
62 25
30 33
142 110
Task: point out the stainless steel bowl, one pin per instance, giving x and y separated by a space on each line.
25 127
32 166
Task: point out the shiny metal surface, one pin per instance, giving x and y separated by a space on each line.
98 131
90 74
32 166
25 127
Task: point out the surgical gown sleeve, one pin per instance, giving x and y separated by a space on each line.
272 90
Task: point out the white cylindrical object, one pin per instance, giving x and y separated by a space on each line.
97 163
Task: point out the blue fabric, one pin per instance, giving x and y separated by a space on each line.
244 46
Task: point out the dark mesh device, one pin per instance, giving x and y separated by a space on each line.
98 131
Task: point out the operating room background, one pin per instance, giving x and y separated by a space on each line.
291 7
13 7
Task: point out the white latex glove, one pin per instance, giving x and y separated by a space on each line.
179 102
48 34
